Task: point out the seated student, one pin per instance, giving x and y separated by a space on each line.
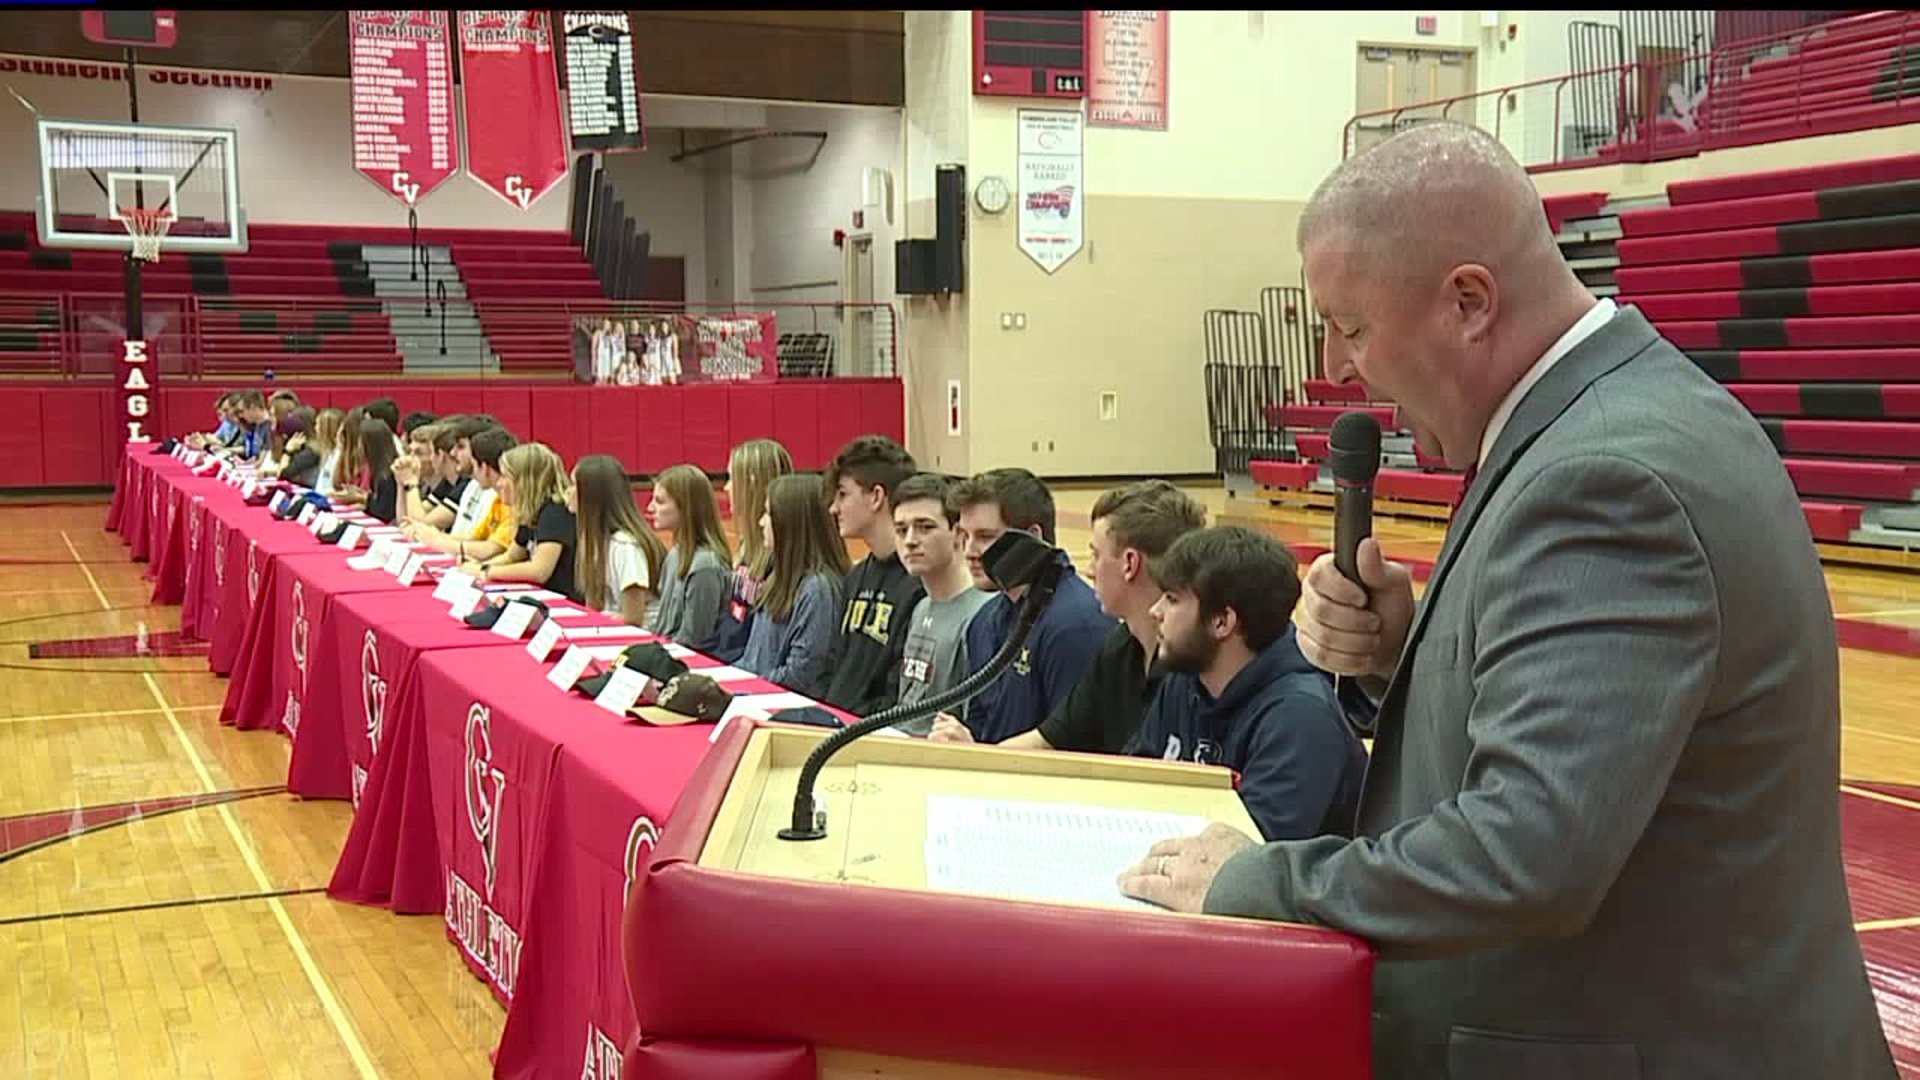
459 503
226 429
863 673
925 528
353 461
386 409
256 425
752 468
296 461
495 531
1237 692
533 480
1062 644
1132 524
414 422
428 478
798 606
377 449
324 438
619 558
694 578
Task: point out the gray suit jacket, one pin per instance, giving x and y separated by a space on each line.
1600 834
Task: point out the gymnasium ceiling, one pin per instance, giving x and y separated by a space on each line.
850 57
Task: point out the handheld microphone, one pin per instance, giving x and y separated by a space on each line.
1354 447
1017 558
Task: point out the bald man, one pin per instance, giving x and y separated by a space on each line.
1600 833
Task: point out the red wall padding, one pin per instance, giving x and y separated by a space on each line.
66 435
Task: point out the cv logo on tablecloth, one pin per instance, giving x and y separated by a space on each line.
300 629
640 843
485 787
219 553
373 690
253 573
193 530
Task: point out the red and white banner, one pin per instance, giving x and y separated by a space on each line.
1127 69
138 377
402 101
735 348
516 134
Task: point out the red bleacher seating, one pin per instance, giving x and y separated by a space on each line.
310 279
1800 291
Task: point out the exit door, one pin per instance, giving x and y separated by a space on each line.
1398 86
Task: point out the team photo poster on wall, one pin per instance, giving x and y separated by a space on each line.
1115 60
667 349
402 91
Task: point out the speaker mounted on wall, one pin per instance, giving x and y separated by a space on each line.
950 228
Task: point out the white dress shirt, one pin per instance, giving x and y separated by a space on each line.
1596 317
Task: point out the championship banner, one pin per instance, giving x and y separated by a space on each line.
1052 220
510 104
402 101
735 348
603 92
1127 69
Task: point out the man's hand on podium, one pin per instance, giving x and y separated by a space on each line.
1176 874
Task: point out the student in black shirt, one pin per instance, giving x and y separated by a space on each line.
377 449
533 480
863 667
1132 524
299 461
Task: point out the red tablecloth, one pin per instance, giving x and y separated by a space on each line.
245 543
172 545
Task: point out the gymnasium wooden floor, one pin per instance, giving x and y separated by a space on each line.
192 937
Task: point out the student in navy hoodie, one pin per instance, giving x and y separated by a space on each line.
1236 690
1064 641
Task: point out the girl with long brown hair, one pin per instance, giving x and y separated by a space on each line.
377 450
325 440
619 559
694 575
798 609
347 476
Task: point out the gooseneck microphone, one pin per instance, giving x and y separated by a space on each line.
1354 448
1017 558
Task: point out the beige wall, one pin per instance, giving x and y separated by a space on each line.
1197 217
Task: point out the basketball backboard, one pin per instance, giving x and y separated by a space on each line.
94 175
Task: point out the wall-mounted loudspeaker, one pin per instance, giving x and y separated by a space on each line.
913 268
950 228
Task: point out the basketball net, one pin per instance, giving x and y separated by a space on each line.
147 228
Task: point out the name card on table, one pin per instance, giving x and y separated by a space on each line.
621 691
350 539
307 514
411 569
324 523
397 558
374 558
514 620
279 500
543 642
570 668
465 603
452 584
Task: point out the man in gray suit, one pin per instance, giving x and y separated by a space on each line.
1600 833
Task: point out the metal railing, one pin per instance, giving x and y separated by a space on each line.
1844 74
78 335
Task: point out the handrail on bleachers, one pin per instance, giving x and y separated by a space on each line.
1848 74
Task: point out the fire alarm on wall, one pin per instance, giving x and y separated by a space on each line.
1426 25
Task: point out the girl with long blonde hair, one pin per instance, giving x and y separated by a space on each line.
798 609
694 576
533 480
619 558
751 469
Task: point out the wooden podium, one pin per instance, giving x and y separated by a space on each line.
756 958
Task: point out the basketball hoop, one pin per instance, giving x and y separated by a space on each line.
147 228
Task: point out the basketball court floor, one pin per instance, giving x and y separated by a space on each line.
162 904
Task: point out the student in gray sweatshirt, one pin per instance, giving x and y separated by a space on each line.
797 609
932 551
694 577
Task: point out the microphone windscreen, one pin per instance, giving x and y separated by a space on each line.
1354 447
